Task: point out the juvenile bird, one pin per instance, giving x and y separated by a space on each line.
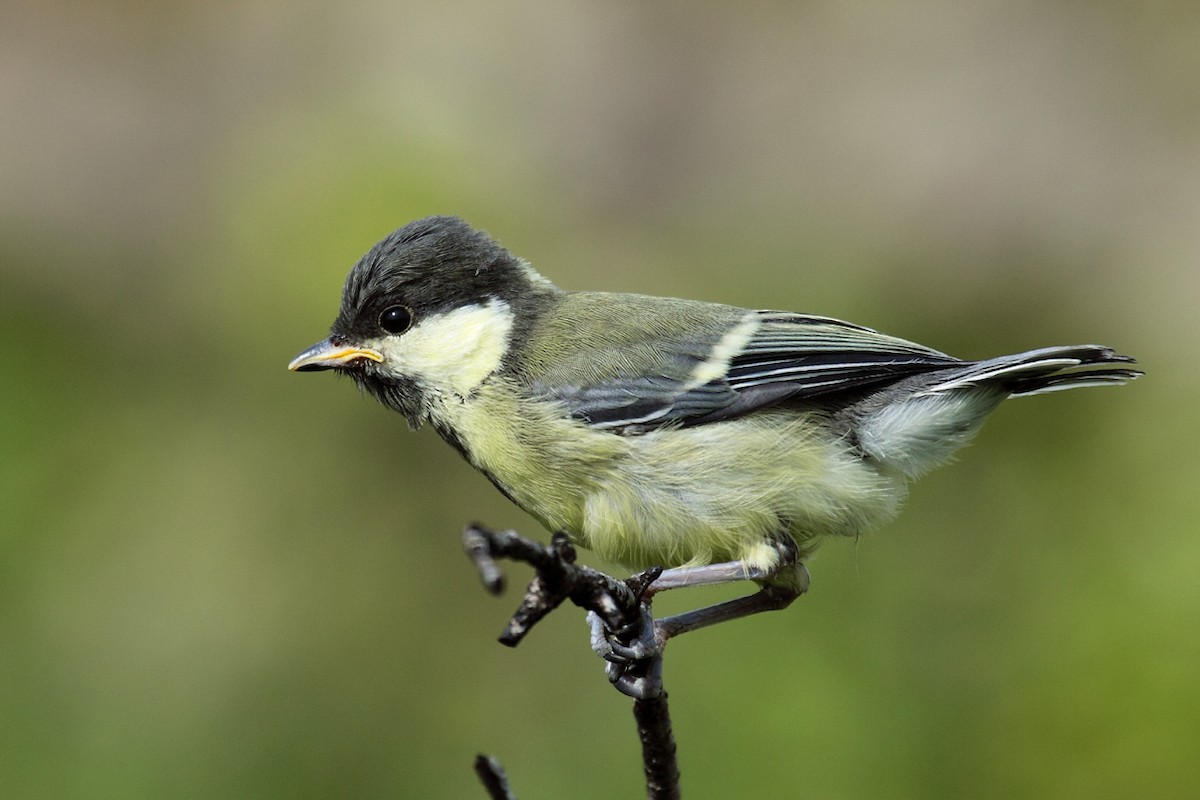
658 431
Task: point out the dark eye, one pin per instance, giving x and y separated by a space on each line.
396 319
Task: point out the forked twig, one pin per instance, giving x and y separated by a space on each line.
619 605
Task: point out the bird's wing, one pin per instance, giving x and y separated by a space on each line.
756 359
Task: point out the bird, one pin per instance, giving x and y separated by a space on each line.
714 441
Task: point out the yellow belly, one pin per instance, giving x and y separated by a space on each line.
677 496
723 491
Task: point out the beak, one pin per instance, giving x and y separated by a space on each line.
330 355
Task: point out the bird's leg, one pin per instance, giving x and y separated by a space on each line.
635 653
777 592
707 575
780 586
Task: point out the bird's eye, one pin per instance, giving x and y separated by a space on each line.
395 319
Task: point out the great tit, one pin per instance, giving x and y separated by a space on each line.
658 431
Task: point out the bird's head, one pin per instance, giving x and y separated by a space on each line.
426 315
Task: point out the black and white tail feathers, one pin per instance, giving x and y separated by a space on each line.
1048 369
918 424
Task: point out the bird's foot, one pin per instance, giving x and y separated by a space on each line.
634 654
634 651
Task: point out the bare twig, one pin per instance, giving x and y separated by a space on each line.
558 578
658 747
617 603
491 774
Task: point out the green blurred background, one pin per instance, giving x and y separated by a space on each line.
219 579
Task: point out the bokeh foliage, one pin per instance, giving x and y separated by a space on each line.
218 579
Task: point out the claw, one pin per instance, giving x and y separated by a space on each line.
637 641
642 686
633 652
634 655
602 643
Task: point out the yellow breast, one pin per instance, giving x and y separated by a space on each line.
674 496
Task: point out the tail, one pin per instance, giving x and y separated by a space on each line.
1049 369
919 426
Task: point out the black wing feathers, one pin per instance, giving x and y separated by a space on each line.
787 357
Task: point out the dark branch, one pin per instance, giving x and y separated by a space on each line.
620 607
558 578
658 747
491 774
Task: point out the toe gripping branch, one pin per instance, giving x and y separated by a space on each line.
615 606
624 632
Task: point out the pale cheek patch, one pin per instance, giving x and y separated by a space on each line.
452 352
